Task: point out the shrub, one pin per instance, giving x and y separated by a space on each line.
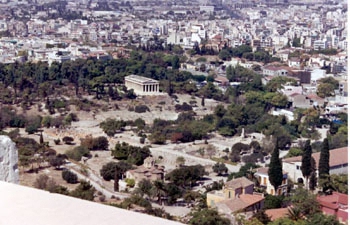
98 143
142 140
78 152
69 176
102 198
130 182
57 141
84 191
58 104
112 126
141 108
41 181
68 140
57 161
183 107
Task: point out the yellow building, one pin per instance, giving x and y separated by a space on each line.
231 189
263 178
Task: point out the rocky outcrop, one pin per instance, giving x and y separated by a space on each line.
8 160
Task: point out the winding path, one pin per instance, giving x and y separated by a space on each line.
95 181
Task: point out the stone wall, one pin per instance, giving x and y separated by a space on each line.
8 160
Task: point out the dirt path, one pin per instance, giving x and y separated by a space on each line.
95 181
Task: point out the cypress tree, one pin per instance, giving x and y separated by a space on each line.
323 165
41 140
116 180
275 169
313 177
306 161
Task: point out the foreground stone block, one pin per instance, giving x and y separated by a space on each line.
8 160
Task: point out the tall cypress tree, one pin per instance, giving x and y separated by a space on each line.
116 180
313 177
306 161
323 165
275 169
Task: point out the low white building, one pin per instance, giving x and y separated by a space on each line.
338 164
317 74
283 112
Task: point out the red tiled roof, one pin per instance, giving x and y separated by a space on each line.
295 94
326 204
241 202
239 182
251 199
333 199
337 156
221 79
314 97
277 213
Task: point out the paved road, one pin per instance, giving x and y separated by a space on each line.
95 181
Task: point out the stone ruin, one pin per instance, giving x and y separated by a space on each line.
8 160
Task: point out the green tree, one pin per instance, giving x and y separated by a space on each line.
144 187
180 161
132 154
139 123
243 171
57 161
273 201
220 168
262 216
33 125
109 170
323 165
325 90
322 219
224 54
208 217
331 81
175 62
69 176
313 176
294 152
77 152
306 168
294 213
112 126
186 176
275 169
84 191
159 190
339 182
116 180
304 201
288 221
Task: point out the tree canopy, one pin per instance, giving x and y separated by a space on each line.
275 169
